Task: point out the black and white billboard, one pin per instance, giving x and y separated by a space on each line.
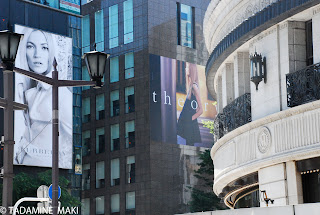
33 127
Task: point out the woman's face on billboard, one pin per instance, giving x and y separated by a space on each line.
37 52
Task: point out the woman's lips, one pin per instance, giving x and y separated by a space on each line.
37 63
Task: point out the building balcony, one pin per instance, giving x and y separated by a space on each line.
234 115
290 135
303 86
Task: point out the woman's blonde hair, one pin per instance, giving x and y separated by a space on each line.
21 59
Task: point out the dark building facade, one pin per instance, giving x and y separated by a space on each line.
131 161
50 16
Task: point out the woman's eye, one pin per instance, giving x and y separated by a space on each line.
29 46
45 48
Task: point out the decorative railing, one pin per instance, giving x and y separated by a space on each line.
234 115
303 86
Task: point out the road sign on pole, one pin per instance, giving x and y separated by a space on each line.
50 192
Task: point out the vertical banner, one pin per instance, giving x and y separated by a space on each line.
33 127
179 103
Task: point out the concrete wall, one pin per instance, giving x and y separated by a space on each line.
303 209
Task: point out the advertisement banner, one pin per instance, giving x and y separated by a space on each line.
72 6
33 127
179 103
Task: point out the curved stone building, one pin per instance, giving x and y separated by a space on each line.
267 133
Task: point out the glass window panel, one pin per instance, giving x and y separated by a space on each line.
86 143
129 99
100 46
113 26
130 200
129 60
86 109
130 134
128 21
129 65
100 142
99 28
130 171
86 177
113 42
128 38
115 141
85 77
85 206
99 174
100 205
114 69
115 172
115 203
85 31
100 107
114 103
186 26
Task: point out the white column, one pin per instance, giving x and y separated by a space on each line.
241 74
272 179
227 84
294 184
219 95
315 37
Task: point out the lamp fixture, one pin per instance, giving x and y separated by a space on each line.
9 43
96 62
258 69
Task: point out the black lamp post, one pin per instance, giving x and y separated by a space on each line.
95 62
258 69
9 43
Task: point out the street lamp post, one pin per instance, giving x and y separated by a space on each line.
96 62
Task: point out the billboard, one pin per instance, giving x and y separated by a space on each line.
179 103
72 6
33 127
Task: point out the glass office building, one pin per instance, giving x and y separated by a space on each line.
143 165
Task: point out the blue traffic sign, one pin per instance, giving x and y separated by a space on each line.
50 192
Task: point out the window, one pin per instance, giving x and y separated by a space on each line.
129 99
309 43
115 204
100 107
130 134
185 16
114 69
114 103
113 27
85 77
129 65
115 172
100 174
86 177
86 110
131 169
85 34
115 140
86 143
100 205
50 3
85 206
130 202
128 21
99 30
100 143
